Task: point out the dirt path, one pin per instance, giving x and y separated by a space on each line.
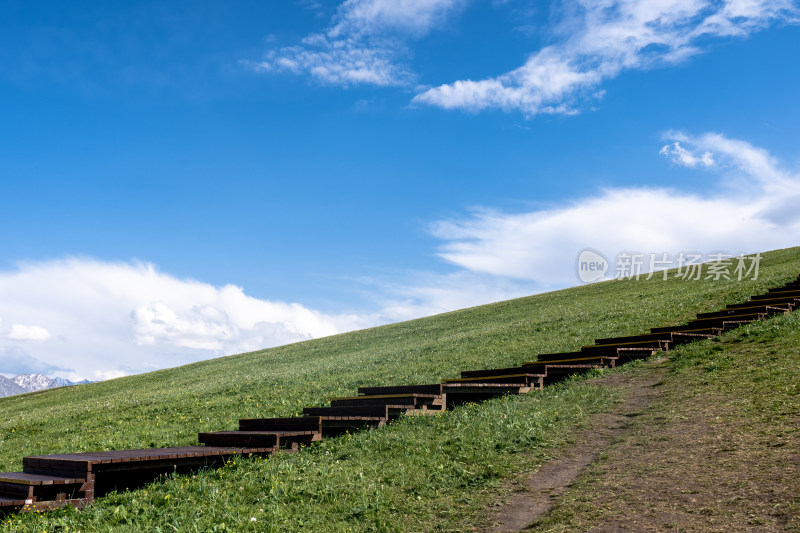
713 445
538 493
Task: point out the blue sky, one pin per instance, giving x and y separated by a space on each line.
182 182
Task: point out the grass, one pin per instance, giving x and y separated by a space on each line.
417 474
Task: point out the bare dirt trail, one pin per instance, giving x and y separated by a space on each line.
536 495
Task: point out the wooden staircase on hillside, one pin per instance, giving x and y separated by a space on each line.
52 481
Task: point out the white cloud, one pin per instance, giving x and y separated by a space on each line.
337 62
20 332
684 157
365 43
411 17
103 375
541 246
110 319
604 38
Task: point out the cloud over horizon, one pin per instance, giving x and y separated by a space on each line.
752 207
105 319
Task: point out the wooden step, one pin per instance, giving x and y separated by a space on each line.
570 358
631 354
121 469
673 337
435 388
11 502
687 329
297 423
728 313
517 374
292 432
733 324
557 372
348 411
491 372
287 440
792 301
643 337
38 487
727 322
338 420
343 418
611 349
411 401
781 294
461 392
529 380
685 338
784 290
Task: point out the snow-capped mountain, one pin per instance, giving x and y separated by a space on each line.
9 388
31 383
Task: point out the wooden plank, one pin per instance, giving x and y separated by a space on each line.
354 410
571 357
655 343
485 388
685 328
784 290
559 372
300 423
713 321
790 300
523 379
435 389
725 313
91 461
11 502
492 372
783 294
410 396
644 337
255 439
24 478
407 401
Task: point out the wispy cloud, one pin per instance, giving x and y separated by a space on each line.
681 156
364 44
756 214
603 39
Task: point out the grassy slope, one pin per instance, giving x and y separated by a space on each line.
169 407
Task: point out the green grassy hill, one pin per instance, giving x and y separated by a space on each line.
347 484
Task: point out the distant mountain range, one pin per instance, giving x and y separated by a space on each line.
32 382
